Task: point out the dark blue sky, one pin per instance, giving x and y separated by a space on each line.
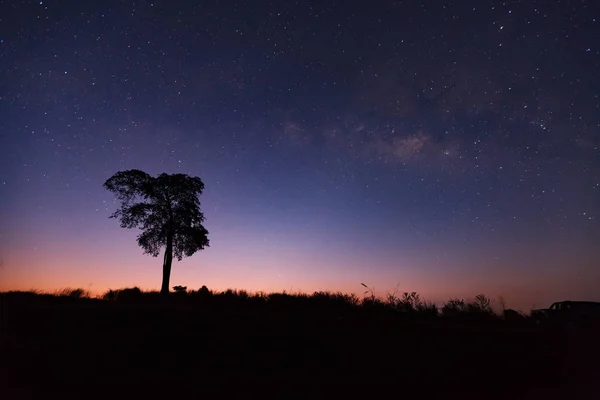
448 148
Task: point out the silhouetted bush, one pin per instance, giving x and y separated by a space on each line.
130 293
375 304
125 294
336 300
74 293
201 294
481 304
180 289
427 309
204 290
409 302
454 307
110 295
478 309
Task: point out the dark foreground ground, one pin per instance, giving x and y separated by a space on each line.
67 348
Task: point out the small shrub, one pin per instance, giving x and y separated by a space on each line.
110 295
370 303
278 297
483 303
480 306
352 299
454 307
74 293
204 292
409 302
129 293
180 289
427 309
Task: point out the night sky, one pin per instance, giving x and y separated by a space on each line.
448 148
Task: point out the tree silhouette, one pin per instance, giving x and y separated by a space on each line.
166 209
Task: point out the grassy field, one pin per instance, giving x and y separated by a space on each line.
130 344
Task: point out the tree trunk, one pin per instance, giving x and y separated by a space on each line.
167 266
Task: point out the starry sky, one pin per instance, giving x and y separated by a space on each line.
448 148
